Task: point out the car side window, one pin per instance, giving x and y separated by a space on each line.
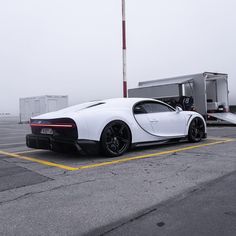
159 107
139 109
151 107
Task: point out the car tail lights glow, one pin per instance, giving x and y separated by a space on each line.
53 125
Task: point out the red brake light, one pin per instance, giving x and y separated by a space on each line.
53 125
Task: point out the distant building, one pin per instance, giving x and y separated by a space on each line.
5 114
34 106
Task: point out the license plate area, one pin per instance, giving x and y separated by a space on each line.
47 131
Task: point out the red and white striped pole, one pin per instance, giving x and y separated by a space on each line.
124 49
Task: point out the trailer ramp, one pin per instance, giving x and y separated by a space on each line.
225 116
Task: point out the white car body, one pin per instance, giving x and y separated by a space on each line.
91 119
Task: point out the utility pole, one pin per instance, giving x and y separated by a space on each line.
124 49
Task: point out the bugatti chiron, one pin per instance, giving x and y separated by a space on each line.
114 125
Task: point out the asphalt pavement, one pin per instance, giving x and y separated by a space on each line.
171 189
209 209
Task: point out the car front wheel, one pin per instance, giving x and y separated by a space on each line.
196 130
115 138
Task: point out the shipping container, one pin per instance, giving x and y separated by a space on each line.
34 106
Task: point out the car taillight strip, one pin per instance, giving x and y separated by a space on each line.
53 126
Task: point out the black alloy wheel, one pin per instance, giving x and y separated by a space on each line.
115 138
196 130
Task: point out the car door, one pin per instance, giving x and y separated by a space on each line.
160 119
141 115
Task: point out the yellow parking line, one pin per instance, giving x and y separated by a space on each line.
37 160
16 155
151 155
30 151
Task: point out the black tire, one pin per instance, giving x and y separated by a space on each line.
115 139
196 130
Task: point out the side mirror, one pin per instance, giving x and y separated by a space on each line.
178 109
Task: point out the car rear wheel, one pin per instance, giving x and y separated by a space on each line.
115 138
196 130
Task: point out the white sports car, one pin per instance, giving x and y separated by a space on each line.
114 125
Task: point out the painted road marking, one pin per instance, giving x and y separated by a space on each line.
9 144
122 160
220 138
47 163
31 151
42 150
151 155
13 137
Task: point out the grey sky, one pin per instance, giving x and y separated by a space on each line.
73 47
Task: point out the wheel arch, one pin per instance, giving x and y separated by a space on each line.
192 117
116 138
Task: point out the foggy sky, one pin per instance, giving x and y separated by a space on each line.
73 47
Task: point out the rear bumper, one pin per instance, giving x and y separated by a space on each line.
47 142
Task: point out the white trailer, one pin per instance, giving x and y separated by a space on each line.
209 92
34 106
